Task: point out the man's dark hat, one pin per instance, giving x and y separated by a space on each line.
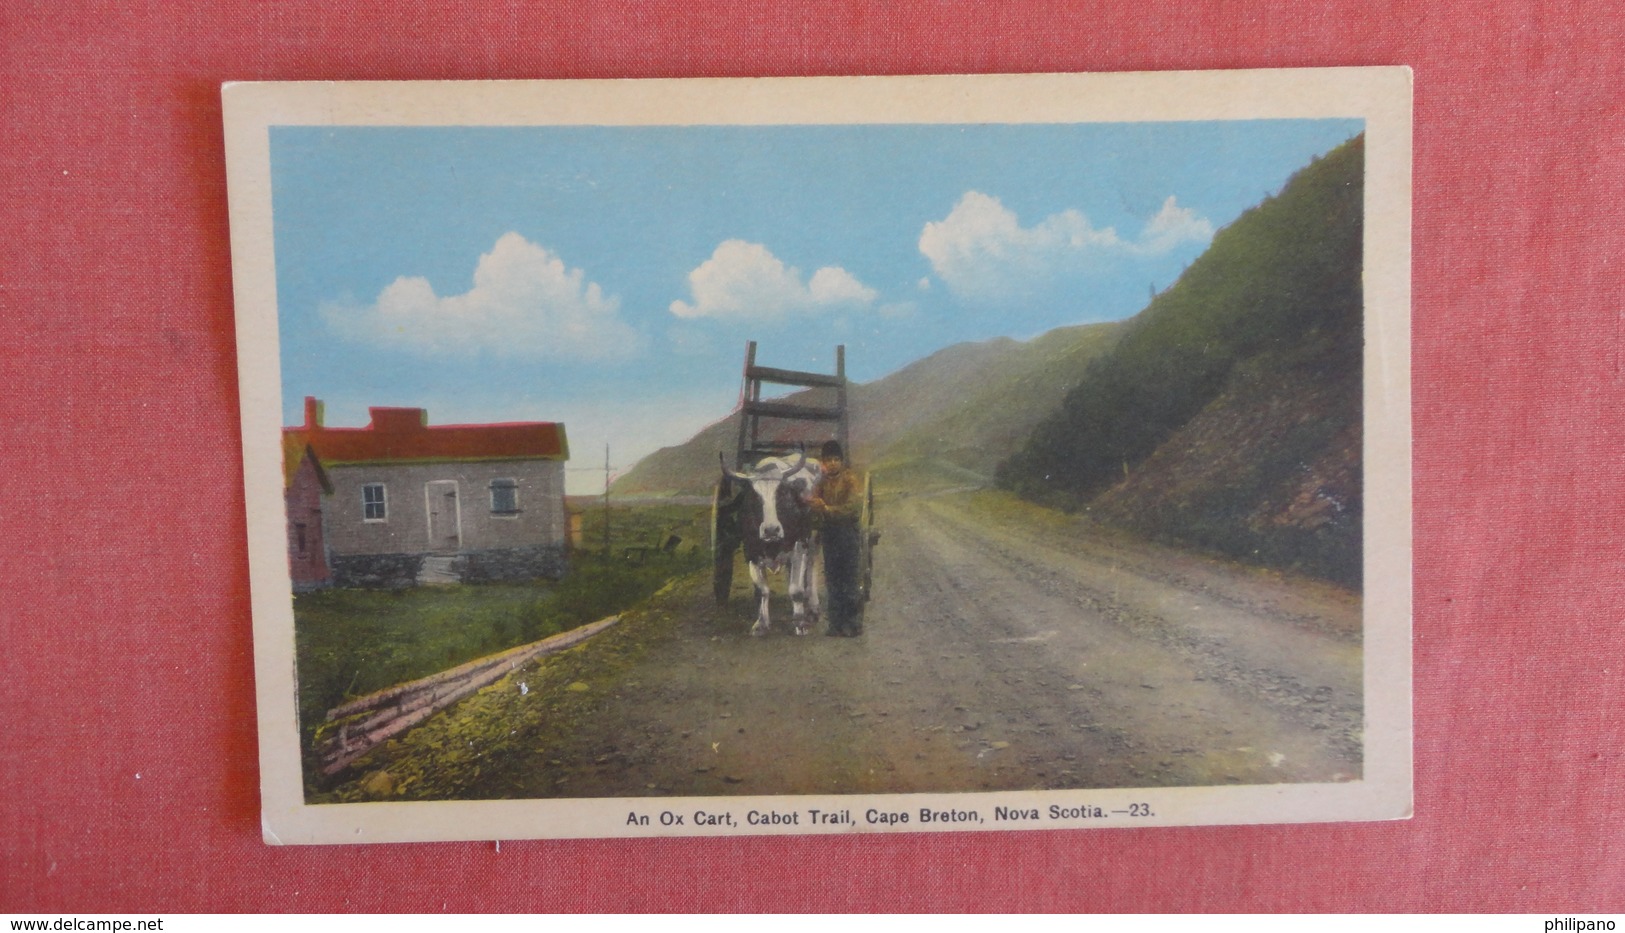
832 449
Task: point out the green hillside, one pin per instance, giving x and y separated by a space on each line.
1228 413
993 416
689 468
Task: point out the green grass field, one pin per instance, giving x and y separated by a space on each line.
350 643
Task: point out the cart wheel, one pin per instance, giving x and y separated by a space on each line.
724 539
868 539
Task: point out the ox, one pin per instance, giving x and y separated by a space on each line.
775 525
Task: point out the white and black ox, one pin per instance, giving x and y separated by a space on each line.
775 525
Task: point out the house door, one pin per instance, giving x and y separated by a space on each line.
445 516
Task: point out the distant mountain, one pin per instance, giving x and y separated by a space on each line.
951 415
1228 413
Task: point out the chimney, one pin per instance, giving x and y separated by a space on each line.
313 413
398 420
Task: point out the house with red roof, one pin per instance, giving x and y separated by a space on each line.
407 502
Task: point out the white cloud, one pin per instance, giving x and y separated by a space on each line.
745 280
982 251
1172 226
525 303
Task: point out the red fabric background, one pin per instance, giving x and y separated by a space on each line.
128 776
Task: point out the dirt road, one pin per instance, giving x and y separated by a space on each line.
1006 648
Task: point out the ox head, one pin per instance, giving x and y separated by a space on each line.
774 517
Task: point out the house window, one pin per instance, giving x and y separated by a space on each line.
299 538
374 507
504 497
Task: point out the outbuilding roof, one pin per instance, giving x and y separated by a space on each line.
404 435
294 453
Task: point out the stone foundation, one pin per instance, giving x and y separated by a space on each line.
377 571
510 564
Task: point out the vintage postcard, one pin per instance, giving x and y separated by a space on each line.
701 457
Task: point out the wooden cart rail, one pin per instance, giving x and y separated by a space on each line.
752 409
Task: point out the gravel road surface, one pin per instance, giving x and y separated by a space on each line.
1006 648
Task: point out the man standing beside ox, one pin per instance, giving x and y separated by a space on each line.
838 505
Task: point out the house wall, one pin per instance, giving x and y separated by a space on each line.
308 565
539 523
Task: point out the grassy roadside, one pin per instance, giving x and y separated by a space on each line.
996 508
490 744
350 643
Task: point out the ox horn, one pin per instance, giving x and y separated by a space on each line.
723 462
802 450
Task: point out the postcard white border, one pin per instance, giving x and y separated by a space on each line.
1379 96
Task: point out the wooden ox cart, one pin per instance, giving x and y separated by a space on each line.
805 428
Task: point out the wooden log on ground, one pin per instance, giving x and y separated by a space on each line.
390 694
399 708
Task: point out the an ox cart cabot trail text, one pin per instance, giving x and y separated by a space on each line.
813 818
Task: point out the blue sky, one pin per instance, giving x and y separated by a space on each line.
609 277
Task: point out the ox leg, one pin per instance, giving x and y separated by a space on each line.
804 589
814 611
758 579
798 588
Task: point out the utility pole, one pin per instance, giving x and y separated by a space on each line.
586 510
